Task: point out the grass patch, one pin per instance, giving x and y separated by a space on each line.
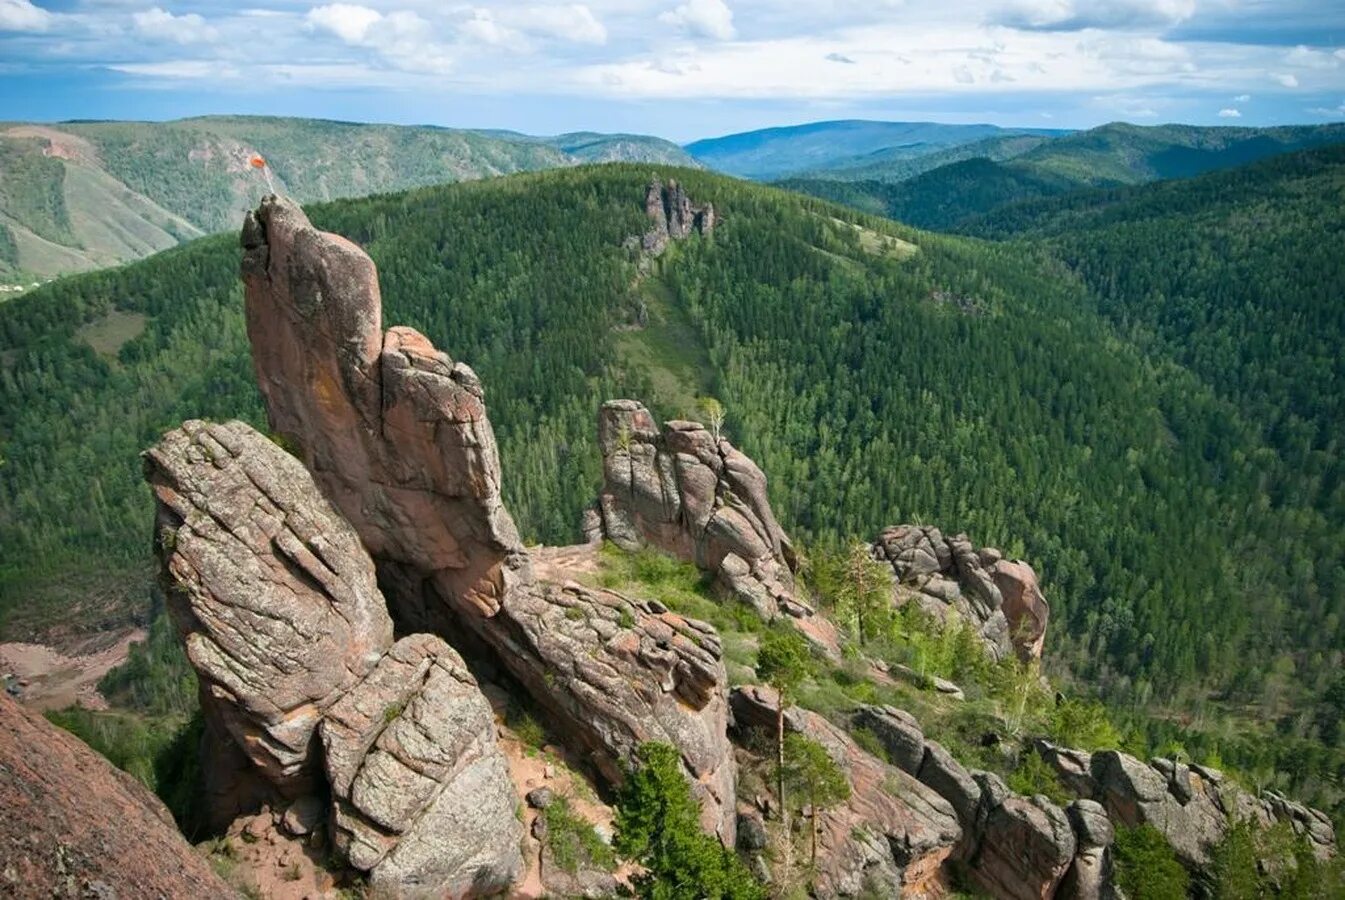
573 841
110 333
669 351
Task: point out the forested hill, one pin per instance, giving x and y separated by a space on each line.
979 179
878 375
80 195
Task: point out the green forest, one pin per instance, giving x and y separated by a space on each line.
1175 482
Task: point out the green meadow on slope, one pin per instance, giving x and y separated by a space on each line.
878 375
82 195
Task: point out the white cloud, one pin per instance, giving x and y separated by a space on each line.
349 22
1286 80
1338 112
21 15
402 39
1308 58
484 28
1242 98
574 22
703 18
1075 15
177 69
1229 113
159 24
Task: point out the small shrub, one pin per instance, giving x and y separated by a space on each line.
869 742
1034 776
572 840
1146 868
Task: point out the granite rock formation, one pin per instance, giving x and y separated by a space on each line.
396 435
1011 846
1192 806
276 602
691 493
75 827
1000 598
271 592
674 216
420 790
893 832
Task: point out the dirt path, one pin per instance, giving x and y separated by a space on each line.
49 679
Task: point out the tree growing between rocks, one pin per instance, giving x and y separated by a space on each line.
812 772
783 662
865 593
658 826
713 412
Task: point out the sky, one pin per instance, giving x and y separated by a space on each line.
680 69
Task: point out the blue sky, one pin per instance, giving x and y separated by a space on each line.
681 69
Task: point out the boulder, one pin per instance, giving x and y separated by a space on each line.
692 494
397 436
1025 845
893 832
898 732
269 588
999 598
75 827
1090 877
421 795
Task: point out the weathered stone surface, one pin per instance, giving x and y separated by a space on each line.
421 794
396 434
1025 608
893 831
1192 806
1090 877
693 495
75 827
269 588
998 597
1025 845
899 733
673 215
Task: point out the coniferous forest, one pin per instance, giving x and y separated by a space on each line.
1137 390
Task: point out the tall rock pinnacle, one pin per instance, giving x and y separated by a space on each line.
396 435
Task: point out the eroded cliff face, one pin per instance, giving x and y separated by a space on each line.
998 597
275 599
691 493
397 436
75 827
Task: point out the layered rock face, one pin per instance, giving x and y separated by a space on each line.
1192 806
397 436
893 834
270 590
1012 846
75 827
276 601
1000 598
697 497
674 216
421 792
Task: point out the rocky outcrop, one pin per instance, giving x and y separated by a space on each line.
278 607
1090 878
1192 806
674 216
894 834
273 595
420 789
396 435
75 827
999 598
1011 846
691 493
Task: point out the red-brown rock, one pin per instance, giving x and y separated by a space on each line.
73 826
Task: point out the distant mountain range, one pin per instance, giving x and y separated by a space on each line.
951 189
82 195
773 153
